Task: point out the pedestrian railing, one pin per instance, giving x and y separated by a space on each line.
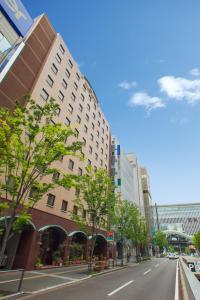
190 286
11 281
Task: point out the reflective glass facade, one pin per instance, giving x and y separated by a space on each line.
182 217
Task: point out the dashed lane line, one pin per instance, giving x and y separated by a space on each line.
147 271
120 288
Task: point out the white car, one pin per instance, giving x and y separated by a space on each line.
172 256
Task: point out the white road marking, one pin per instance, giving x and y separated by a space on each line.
147 271
176 293
156 265
120 288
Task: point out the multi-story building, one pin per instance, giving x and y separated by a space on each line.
137 183
42 66
126 173
147 203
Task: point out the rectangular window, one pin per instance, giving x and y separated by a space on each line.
77 76
84 214
95 107
82 98
78 119
58 111
70 108
87 117
54 69
94 116
97 144
75 86
80 172
84 141
102 140
71 164
44 94
50 81
64 206
73 97
62 49
91 137
61 96
67 73
90 149
80 107
101 150
84 87
99 115
85 129
96 156
106 146
102 130
97 133
101 162
70 63
64 83
58 58
56 176
89 162
98 123
92 125
88 107
67 121
75 210
76 132
51 200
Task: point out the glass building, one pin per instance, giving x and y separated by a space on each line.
183 218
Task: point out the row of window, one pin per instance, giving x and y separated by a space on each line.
89 163
51 201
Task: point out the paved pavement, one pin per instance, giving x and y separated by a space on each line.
42 279
150 280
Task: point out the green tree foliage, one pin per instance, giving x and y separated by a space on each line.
170 248
161 240
196 240
95 194
130 225
30 143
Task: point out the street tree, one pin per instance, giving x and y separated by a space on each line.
161 240
196 240
94 195
30 143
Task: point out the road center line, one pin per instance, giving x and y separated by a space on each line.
120 288
156 265
147 271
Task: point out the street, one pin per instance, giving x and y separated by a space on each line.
151 280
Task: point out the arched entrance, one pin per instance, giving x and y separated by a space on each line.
78 246
100 248
52 244
18 246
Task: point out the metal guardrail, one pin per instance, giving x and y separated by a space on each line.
189 283
11 281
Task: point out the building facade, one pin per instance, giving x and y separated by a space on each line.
42 66
183 218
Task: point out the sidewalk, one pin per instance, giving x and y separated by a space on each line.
37 281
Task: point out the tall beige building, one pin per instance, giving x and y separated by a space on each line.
43 67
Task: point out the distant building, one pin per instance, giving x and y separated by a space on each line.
126 173
147 198
183 218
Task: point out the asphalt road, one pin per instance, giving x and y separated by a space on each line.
151 280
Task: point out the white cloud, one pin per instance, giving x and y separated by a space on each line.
148 102
195 72
127 85
180 88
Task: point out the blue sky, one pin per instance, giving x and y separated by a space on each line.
143 60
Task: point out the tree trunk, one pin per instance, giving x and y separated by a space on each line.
5 239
